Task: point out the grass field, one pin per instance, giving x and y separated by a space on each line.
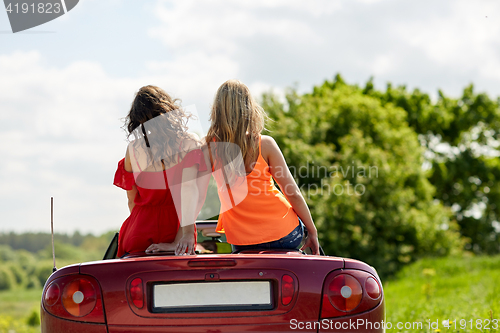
454 289
19 303
16 307
430 290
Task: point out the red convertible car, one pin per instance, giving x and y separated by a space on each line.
214 291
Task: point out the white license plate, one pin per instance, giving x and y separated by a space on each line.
238 295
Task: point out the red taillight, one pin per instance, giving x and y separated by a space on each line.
372 288
287 289
343 293
52 294
137 292
76 297
79 297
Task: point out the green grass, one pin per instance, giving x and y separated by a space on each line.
446 288
15 308
19 303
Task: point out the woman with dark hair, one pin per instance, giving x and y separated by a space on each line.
159 173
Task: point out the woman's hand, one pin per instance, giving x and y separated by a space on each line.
185 245
313 243
161 247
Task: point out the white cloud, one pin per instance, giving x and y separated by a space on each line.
462 37
60 137
194 77
280 42
219 25
384 64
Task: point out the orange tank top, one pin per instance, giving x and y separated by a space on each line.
254 211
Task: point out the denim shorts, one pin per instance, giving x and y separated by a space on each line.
290 241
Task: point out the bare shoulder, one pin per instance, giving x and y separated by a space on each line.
268 143
191 142
269 147
128 164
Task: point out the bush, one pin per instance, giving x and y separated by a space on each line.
9 324
42 272
33 282
33 319
6 253
7 279
18 273
26 260
63 251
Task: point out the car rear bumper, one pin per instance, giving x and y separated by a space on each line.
52 324
209 329
368 322
372 321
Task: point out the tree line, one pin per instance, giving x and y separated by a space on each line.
26 259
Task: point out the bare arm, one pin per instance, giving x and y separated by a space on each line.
280 172
189 202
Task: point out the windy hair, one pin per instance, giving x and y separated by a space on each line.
236 118
159 120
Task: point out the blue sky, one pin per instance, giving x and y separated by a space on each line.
65 85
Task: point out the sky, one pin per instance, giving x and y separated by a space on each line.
66 86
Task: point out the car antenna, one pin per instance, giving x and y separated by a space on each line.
52 232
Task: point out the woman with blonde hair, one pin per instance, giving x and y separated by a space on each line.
254 213
159 173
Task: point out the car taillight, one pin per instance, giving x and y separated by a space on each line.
348 292
76 297
372 288
345 293
137 292
52 294
287 289
79 297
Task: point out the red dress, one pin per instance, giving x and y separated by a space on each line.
154 218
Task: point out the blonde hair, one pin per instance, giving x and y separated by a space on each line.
236 118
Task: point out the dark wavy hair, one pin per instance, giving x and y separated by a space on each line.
163 135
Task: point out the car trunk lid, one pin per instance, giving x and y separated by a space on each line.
208 289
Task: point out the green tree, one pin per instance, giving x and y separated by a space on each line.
461 137
365 185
